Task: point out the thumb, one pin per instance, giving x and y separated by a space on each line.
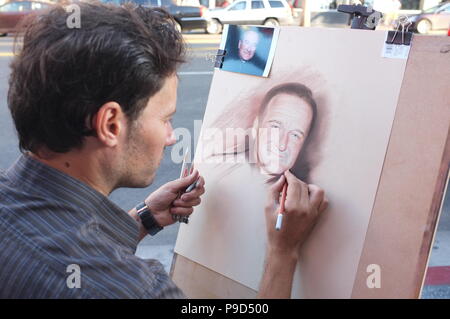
275 189
181 183
290 177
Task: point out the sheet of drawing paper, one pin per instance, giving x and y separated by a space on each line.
356 92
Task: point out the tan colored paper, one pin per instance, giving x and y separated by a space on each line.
356 91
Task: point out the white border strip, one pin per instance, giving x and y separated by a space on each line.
273 46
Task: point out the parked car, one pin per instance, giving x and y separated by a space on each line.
435 18
186 17
11 13
256 12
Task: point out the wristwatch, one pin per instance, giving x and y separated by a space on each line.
147 219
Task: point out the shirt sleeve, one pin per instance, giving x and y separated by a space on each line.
159 284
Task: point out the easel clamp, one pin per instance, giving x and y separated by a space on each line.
220 57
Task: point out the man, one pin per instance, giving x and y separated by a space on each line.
92 109
247 45
245 61
285 119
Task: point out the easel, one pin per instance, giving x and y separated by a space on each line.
408 197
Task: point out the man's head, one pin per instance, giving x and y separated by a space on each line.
108 87
285 119
247 45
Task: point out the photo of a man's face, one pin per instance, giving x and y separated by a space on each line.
249 49
247 45
284 127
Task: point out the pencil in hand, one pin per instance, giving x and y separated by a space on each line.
281 207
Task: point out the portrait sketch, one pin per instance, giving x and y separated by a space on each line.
328 122
272 128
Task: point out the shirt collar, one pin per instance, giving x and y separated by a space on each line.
33 176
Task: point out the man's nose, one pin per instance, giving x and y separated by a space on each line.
171 137
282 146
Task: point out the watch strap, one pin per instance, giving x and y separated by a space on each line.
147 219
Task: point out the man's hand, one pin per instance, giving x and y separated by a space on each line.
164 201
303 205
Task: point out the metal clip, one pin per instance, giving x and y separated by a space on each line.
220 57
406 37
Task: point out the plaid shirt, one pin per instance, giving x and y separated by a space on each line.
50 221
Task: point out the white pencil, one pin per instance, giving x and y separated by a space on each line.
281 209
183 166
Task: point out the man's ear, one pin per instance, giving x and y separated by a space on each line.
108 123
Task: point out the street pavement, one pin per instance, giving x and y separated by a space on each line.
194 82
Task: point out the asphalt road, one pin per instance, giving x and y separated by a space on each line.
195 78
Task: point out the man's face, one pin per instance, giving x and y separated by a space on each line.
282 132
247 45
149 135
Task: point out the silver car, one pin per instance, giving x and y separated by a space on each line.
256 12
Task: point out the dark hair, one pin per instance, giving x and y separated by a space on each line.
62 75
291 88
303 163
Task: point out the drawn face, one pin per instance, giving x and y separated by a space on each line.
247 45
282 132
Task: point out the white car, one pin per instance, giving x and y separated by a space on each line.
255 12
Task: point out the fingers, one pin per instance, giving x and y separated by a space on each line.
302 207
183 211
182 183
200 182
196 192
294 189
324 205
297 193
182 203
193 197
304 194
316 196
275 190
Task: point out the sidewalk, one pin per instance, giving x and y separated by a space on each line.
437 280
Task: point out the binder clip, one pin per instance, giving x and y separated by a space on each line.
406 36
220 57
